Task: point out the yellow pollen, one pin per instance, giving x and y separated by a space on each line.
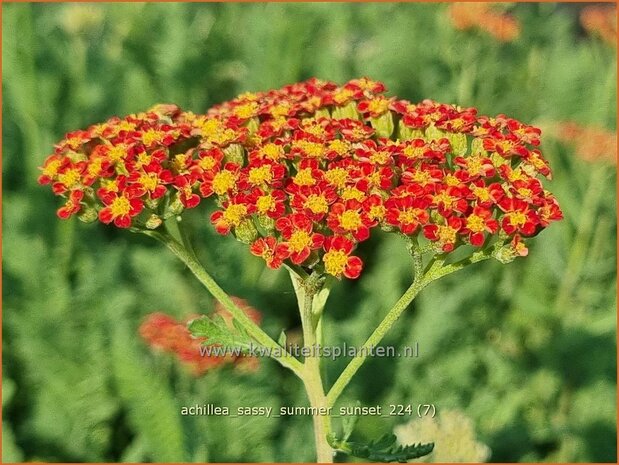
271 151
120 206
149 181
451 180
337 177
304 178
280 110
350 220
377 212
311 149
109 185
125 126
408 216
339 146
207 163
317 203
265 203
211 127
413 152
381 157
474 165
517 219
335 262
180 161
299 240
143 159
117 152
234 214
152 136
313 128
95 167
246 110
523 191
342 95
475 223
481 193
446 234
260 175
378 106
223 182
70 177
353 193
421 177
51 168
75 142
444 198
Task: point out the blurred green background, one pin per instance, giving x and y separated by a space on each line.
526 351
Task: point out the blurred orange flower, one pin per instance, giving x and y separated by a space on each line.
164 333
591 143
503 27
600 20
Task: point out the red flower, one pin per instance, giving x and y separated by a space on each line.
445 235
313 201
187 196
120 208
235 211
338 260
297 229
271 251
350 218
72 206
518 217
407 213
477 224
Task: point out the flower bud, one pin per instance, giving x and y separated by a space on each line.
153 222
88 215
433 133
383 125
252 125
176 207
459 144
266 223
234 153
406 133
246 232
347 111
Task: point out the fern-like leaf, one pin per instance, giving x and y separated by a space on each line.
381 450
218 332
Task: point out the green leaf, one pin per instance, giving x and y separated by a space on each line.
217 331
381 450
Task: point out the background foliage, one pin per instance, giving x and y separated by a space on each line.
526 351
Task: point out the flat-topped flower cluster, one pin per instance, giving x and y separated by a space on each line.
304 173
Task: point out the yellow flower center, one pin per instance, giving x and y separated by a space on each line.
272 151
377 212
70 177
304 178
350 220
451 180
408 216
335 262
75 142
421 177
51 168
482 193
523 191
152 136
211 128
180 161
260 175
125 126
223 182
317 203
311 149
282 109
265 203
353 193
475 223
117 152
339 146
474 166
234 214
207 163
413 152
342 95
120 206
446 234
381 157
95 167
247 110
337 177
445 199
299 240
517 219
378 106
149 181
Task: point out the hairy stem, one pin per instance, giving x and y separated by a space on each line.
239 315
309 292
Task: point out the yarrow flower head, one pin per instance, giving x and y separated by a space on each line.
305 173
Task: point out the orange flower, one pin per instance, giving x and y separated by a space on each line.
600 20
503 27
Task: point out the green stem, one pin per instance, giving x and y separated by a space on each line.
434 271
311 299
239 315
